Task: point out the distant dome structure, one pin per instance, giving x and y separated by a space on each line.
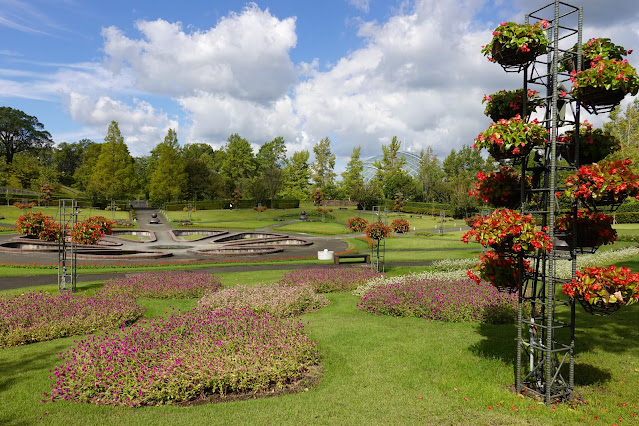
411 166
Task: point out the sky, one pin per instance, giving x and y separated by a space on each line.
356 71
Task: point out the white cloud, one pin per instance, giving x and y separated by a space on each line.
244 56
141 125
363 5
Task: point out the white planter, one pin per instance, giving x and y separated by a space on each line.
325 255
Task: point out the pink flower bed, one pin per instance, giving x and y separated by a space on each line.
267 298
442 299
163 285
35 317
327 280
184 357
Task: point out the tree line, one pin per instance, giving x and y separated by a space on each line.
170 172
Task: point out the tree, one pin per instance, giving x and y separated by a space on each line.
239 164
113 175
83 173
270 159
322 169
20 132
624 124
296 175
352 178
390 171
69 157
169 178
460 169
431 176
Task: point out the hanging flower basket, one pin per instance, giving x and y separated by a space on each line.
512 138
508 103
514 45
603 290
508 231
378 231
593 50
593 229
499 189
594 144
604 84
603 184
501 271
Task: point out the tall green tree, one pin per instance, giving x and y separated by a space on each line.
113 175
460 169
323 167
168 180
390 173
624 124
20 132
68 157
431 177
82 174
270 160
239 164
352 177
296 176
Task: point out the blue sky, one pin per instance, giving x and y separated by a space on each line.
357 71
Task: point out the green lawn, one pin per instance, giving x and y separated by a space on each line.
377 370
11 213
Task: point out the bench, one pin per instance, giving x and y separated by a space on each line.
365 257
417 216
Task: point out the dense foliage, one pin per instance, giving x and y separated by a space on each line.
327 280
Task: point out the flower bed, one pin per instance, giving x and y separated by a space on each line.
507 229
184 358
441 299
327 280
604 183
267 298
163 285
31 223
35 317
512 138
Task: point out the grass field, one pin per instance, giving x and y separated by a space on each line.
11 213
377 370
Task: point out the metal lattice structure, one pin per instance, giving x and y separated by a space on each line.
67 248
378 252
545 337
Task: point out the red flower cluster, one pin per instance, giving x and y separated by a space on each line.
357 224
31 224
604 286
377 231
607 182
400 225
594 228
506 229
500 271
499 189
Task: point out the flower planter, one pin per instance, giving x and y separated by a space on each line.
567 152
599 308
513 57
599 98
496 152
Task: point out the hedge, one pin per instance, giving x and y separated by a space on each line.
242 204
626 217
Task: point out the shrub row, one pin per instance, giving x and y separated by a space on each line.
627 217
242 204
